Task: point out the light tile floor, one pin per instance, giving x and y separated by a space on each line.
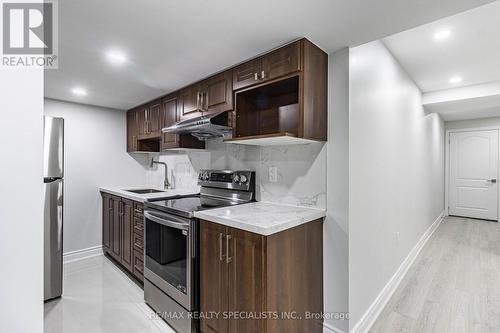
98 297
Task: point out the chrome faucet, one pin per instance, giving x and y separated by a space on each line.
166 183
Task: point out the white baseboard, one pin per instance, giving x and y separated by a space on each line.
82 254
327 328
369 317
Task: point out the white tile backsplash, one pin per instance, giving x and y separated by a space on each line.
183 168
301 170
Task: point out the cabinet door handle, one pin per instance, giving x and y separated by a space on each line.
228 258
262 75
256 76
221 254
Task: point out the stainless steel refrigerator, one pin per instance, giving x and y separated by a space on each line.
53 173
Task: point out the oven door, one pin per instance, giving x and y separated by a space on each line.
169 243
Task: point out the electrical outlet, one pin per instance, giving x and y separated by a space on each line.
273 174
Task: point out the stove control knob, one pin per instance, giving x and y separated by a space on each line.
243 179
206 176
236 178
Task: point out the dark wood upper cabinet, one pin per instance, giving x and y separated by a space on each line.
132 131
217 93
154 115
275 64
247 74
190 98
281 62
146 123
169 116
142 118
288 104
211 95
276 98
245 272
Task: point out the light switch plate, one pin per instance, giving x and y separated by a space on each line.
273 174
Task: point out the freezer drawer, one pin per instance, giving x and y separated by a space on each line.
53 238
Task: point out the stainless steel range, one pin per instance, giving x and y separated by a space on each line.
171 284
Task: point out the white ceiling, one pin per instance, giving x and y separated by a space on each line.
472 51
173 43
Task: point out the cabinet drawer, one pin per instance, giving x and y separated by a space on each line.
247 74
138 225
139 265
138 242
138 209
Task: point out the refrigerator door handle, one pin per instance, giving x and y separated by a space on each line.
60 216
53 147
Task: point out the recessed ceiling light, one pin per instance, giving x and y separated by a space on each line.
442 34
79 91
455 79
116 57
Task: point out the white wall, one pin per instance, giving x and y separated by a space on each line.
335 231
473 123
396 180
21 195
95 155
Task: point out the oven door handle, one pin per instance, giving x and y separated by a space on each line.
164 220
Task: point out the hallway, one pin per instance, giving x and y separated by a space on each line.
453 284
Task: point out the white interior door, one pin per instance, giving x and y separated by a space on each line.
473 183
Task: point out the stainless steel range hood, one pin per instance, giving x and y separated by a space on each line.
204 127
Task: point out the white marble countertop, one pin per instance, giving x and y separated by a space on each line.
262 218
120 191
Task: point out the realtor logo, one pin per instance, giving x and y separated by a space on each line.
29 34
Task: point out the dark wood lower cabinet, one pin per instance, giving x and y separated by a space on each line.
127 234
261 279
138 242
245 279
122 235
107 217
116 233
213 279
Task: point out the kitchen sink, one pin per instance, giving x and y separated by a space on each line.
144 191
